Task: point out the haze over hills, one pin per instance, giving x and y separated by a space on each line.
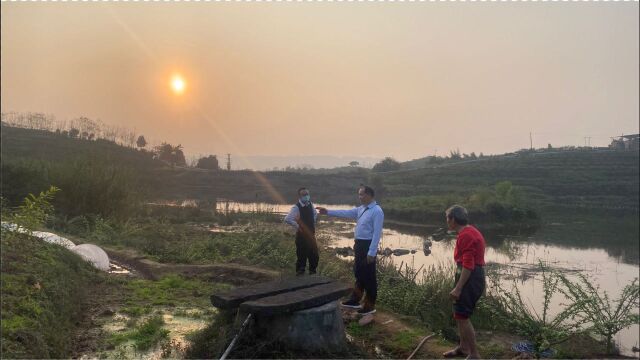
265 162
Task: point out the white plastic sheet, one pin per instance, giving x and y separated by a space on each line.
93 254
54 239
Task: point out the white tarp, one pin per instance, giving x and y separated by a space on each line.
93 254
13 227
54 239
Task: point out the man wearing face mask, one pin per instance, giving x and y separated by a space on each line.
369 218
302 218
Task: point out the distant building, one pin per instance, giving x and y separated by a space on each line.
625 142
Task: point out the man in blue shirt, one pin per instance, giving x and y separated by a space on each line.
369 218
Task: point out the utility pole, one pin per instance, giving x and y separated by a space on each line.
228 162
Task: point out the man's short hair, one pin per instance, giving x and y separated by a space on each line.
368 190
302 188
459 214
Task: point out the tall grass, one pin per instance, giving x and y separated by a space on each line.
425 294
88 185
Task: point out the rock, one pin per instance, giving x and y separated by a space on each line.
386 252
413 251
345 251
400 252
439 234
366 320
107 312
93 254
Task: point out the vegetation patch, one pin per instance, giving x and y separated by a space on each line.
43 288
146 335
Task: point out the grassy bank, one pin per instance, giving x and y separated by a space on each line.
43 288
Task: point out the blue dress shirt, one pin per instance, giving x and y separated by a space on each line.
369 221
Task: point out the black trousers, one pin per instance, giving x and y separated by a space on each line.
306 249
365 273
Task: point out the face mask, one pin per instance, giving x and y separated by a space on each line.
306 199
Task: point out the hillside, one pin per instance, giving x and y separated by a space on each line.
602 179
585 179
25 153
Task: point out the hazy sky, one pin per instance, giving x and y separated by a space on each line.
367 79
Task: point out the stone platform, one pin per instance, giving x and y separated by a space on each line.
302 312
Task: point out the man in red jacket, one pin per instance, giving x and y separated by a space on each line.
470 279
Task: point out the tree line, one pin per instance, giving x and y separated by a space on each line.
84 128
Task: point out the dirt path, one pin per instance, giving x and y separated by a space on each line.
226 273
106 296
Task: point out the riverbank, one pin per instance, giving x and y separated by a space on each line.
165 308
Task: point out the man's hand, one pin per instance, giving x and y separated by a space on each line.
455 294
371 259
321 210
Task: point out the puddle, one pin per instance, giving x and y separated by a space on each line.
179 323
118 269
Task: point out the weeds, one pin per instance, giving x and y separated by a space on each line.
145 336
605 318
543 330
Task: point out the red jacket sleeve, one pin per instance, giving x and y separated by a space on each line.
468 251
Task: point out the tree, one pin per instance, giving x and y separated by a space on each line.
171 154
141 142
354 163
549 147
73 133
178 156
85 125
387 164
209 162
434 160
473 156
455 155
129 137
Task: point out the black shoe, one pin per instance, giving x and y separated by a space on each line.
366 311
298 273
312 272
351 304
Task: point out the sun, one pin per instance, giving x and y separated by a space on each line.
178 84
